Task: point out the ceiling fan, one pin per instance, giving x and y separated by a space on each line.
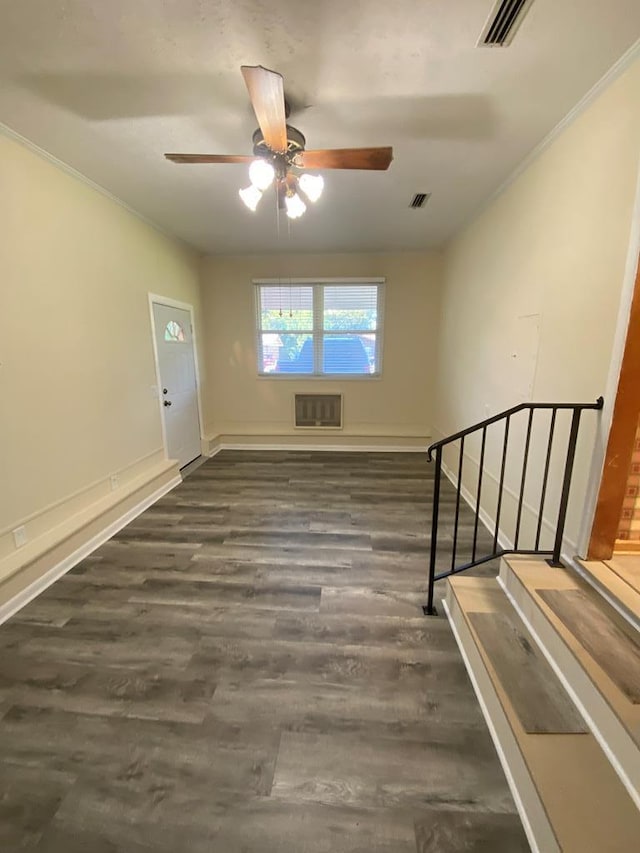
279 149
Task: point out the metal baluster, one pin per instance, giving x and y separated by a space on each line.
501 484
435 452
523 479
545 477
478 493
428 610
564 497
457 516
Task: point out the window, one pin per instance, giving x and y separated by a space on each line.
319 328
174 332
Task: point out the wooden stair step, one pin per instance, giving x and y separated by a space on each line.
537 696
613 587
586 647
627 568
569 797
611 645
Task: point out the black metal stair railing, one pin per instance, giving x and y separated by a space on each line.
436 451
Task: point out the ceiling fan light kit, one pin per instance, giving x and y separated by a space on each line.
278 148
269 167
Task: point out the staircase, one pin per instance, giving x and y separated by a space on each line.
553 653
557 673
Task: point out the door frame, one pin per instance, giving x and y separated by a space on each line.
590 528
620 440
156 299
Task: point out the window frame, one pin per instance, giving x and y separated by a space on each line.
318 331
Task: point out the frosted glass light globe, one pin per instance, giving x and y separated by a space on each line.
311 185
250 195
295 206
262 174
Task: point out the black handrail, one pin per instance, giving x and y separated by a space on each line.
505 416
599 403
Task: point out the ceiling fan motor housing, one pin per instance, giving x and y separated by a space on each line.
295 144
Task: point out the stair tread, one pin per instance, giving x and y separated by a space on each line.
609 644
538 698
627 568
586 803
535 575
615 586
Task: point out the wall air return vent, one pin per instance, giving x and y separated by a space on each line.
505 18
318 411
419 200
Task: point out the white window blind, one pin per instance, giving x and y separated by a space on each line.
319 328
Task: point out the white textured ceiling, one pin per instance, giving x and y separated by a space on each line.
107 86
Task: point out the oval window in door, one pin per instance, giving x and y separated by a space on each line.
174 332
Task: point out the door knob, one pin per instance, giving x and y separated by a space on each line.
167 402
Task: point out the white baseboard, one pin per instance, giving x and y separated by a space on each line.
330 448
34 589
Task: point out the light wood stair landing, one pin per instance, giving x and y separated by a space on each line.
616 580
566 733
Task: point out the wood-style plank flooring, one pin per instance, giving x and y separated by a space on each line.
245 668
537 696
610 641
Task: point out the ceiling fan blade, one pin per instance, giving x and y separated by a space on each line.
210 158
345 158
266 90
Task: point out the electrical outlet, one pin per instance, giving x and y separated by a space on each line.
115 482
20 536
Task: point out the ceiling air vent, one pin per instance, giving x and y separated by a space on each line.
419 200
505 18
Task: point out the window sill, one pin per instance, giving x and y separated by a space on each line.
314 377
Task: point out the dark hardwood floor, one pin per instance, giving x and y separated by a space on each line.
246 669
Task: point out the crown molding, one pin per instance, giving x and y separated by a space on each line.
12 134
617 69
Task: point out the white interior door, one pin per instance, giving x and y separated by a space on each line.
178 386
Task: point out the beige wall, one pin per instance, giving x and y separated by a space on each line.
533 285
399 404
76 358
